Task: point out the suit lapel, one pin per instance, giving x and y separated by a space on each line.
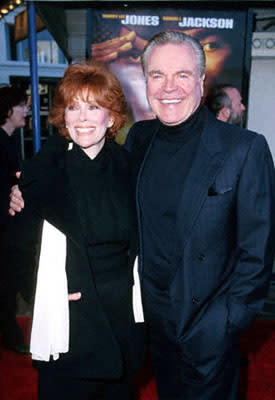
144 155
196 185
208 162
147 152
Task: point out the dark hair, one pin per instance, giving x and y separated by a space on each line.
174 37
83 79
217 98
9 98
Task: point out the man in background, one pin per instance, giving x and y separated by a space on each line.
13 112
225 102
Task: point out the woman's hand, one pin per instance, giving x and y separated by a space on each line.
74 296
16 199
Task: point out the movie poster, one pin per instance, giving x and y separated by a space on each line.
118 36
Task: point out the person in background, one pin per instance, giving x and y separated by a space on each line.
225 102
205 195
80 186
13 112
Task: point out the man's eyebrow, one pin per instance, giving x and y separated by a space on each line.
183 71
155 71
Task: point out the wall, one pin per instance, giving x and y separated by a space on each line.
261 105
21 68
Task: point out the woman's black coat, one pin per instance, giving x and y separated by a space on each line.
95 344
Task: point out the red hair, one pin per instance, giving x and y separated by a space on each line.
82 80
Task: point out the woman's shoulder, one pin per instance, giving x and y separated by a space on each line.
45 161
54 146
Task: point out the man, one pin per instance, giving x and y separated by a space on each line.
205 202
225 102
123 53
13 112
205 194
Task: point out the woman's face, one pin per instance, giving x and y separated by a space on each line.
17 118
87 123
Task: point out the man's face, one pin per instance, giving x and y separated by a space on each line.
174 88
237 107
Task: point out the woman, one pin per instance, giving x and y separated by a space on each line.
13 112
80 185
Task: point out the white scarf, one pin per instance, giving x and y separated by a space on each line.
137 303
50 327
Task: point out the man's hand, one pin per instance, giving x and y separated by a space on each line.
74 296
16 199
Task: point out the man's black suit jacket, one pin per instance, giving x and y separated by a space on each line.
225 238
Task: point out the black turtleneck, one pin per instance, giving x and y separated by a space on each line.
161 186
185 131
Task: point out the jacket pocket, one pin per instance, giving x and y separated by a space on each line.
205 344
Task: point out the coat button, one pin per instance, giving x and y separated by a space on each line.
195 300
201 257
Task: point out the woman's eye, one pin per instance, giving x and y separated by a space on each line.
72 107
93 107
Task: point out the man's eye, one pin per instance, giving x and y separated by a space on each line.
211 46
182 76
156 77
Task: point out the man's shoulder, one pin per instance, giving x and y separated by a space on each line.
232 139
144 126
235 135
141 133
243 136
118 152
